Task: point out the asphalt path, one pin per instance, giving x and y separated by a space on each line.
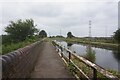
50 65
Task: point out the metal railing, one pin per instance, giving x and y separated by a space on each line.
20 63
81 67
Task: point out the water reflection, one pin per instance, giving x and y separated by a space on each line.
108 59
90 54
116 54
69 44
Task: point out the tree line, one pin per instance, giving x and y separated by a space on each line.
22 29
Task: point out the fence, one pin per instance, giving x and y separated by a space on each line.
20 63
81 67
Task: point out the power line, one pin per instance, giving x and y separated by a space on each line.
90 23
60 32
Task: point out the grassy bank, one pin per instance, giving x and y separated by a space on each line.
85 41
14 46
89 71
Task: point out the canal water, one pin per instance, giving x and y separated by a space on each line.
108 59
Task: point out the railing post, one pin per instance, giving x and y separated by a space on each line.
58 50
61 52
61 49
69 56
94 74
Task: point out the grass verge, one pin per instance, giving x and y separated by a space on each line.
14 46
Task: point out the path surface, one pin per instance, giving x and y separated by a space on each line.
49 64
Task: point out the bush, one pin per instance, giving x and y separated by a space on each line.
14 46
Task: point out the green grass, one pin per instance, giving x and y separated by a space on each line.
88 71
58 38
101 43
92 42
115 73
14 46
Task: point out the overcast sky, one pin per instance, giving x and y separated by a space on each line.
64 15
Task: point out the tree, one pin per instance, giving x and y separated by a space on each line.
42 34
20 30
117 35
69 35
6 39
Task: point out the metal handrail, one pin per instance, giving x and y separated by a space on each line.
93 66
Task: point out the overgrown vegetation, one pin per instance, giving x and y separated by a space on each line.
117 36
89 71
20 30
19 34
6 48
90 54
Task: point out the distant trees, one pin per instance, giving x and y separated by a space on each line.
42 34
20 30
117 35
69 35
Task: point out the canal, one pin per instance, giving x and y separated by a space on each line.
106 58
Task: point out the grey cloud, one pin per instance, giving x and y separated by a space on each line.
45 10
66 16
